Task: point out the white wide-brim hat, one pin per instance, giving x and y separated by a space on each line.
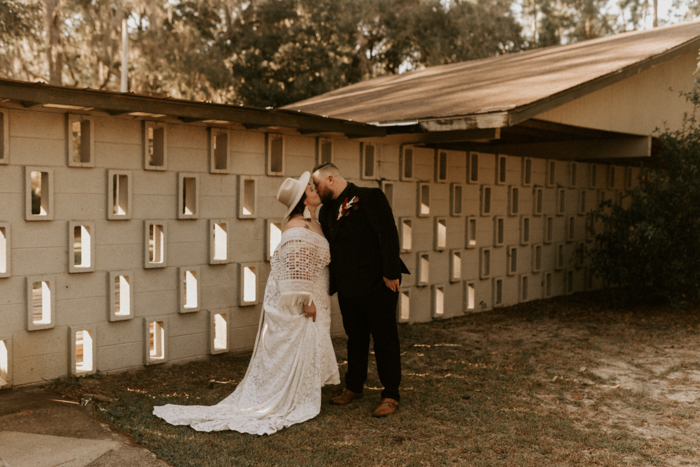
292 190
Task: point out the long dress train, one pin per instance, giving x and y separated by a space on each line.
293 356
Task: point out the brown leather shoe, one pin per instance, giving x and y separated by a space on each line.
346 397
386 407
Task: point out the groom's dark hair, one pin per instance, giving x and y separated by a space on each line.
325 166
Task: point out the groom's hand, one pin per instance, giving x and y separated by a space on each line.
310 311
393 284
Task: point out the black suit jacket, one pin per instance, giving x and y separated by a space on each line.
364 244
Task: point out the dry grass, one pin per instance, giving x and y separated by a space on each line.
507 387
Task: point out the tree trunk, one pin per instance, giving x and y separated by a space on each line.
656 14
54 51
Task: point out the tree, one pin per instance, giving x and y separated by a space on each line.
20 28
652 245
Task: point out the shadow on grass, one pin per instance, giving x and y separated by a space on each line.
506 387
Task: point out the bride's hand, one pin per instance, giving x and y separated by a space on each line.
310 311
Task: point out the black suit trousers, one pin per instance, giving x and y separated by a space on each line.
373 314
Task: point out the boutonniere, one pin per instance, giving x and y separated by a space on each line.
347 206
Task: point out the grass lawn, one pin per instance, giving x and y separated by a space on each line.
567 381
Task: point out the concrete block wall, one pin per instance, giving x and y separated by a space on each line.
41 248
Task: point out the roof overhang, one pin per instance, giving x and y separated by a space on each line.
513 115
115 103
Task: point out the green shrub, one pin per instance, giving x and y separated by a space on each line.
652 245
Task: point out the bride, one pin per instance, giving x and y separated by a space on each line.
293 355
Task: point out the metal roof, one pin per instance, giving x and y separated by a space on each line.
117 103
505 90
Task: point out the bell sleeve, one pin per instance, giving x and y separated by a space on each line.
296 276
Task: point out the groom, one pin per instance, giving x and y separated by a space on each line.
365 271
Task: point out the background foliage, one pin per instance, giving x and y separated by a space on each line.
651 244
274 52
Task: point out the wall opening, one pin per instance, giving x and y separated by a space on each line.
582 203
590 229
471 232
573 169
3 137
82 248
220 150
406 228
455 265
524 288
368 160
424 203
512 260
499 231
220 332
80 141
407 164
456 200
524 230
485 263
156 146
4 249
156 332
156 244
190 288
274 237
275 155
485 200
501 170
220 234
497 292
4 360
40 193
325 150
559 260
538 201
611 177
388 189
527 171
514 201
440 233
561 201
547 285
122 296
404 306
570 228
250 278
438 301
41 302
473 168
593 176
551 174
441 166
536 258
469 295
548 229
189 196
120 194
248 204
83 352
423 269
601 197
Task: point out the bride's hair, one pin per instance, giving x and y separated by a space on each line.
299 208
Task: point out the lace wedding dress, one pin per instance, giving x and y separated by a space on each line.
293 356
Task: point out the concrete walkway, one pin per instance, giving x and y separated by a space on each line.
39 428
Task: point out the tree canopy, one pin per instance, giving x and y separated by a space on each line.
274 52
